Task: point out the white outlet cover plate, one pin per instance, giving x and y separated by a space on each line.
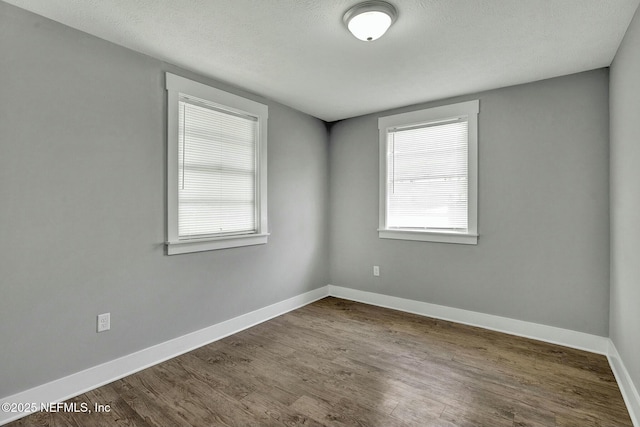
104 322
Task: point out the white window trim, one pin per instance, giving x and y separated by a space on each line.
467 109
175 86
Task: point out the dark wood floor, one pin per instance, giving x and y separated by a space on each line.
340 363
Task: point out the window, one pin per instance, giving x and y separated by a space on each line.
428 174
217 168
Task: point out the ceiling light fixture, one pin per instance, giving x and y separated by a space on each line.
369 20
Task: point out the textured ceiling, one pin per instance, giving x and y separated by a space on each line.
299 53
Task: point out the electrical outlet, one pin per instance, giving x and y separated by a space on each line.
104 322
376 270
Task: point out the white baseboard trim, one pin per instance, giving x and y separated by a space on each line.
550 334
627 388
89 379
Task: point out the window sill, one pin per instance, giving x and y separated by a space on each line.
430 236
187 246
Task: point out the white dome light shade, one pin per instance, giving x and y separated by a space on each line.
368 21
369 26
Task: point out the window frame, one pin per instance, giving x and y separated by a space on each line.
175 86
469 110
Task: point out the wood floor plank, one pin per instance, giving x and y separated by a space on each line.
462 417
284 414
42 419
341 363
344 413
150 409
118 410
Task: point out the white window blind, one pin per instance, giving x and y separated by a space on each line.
427 176
216 171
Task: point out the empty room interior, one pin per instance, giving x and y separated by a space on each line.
242 212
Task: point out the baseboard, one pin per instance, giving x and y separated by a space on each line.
89 379
627 388
551 334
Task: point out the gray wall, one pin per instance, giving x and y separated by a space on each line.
625 200
543 252
82 217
